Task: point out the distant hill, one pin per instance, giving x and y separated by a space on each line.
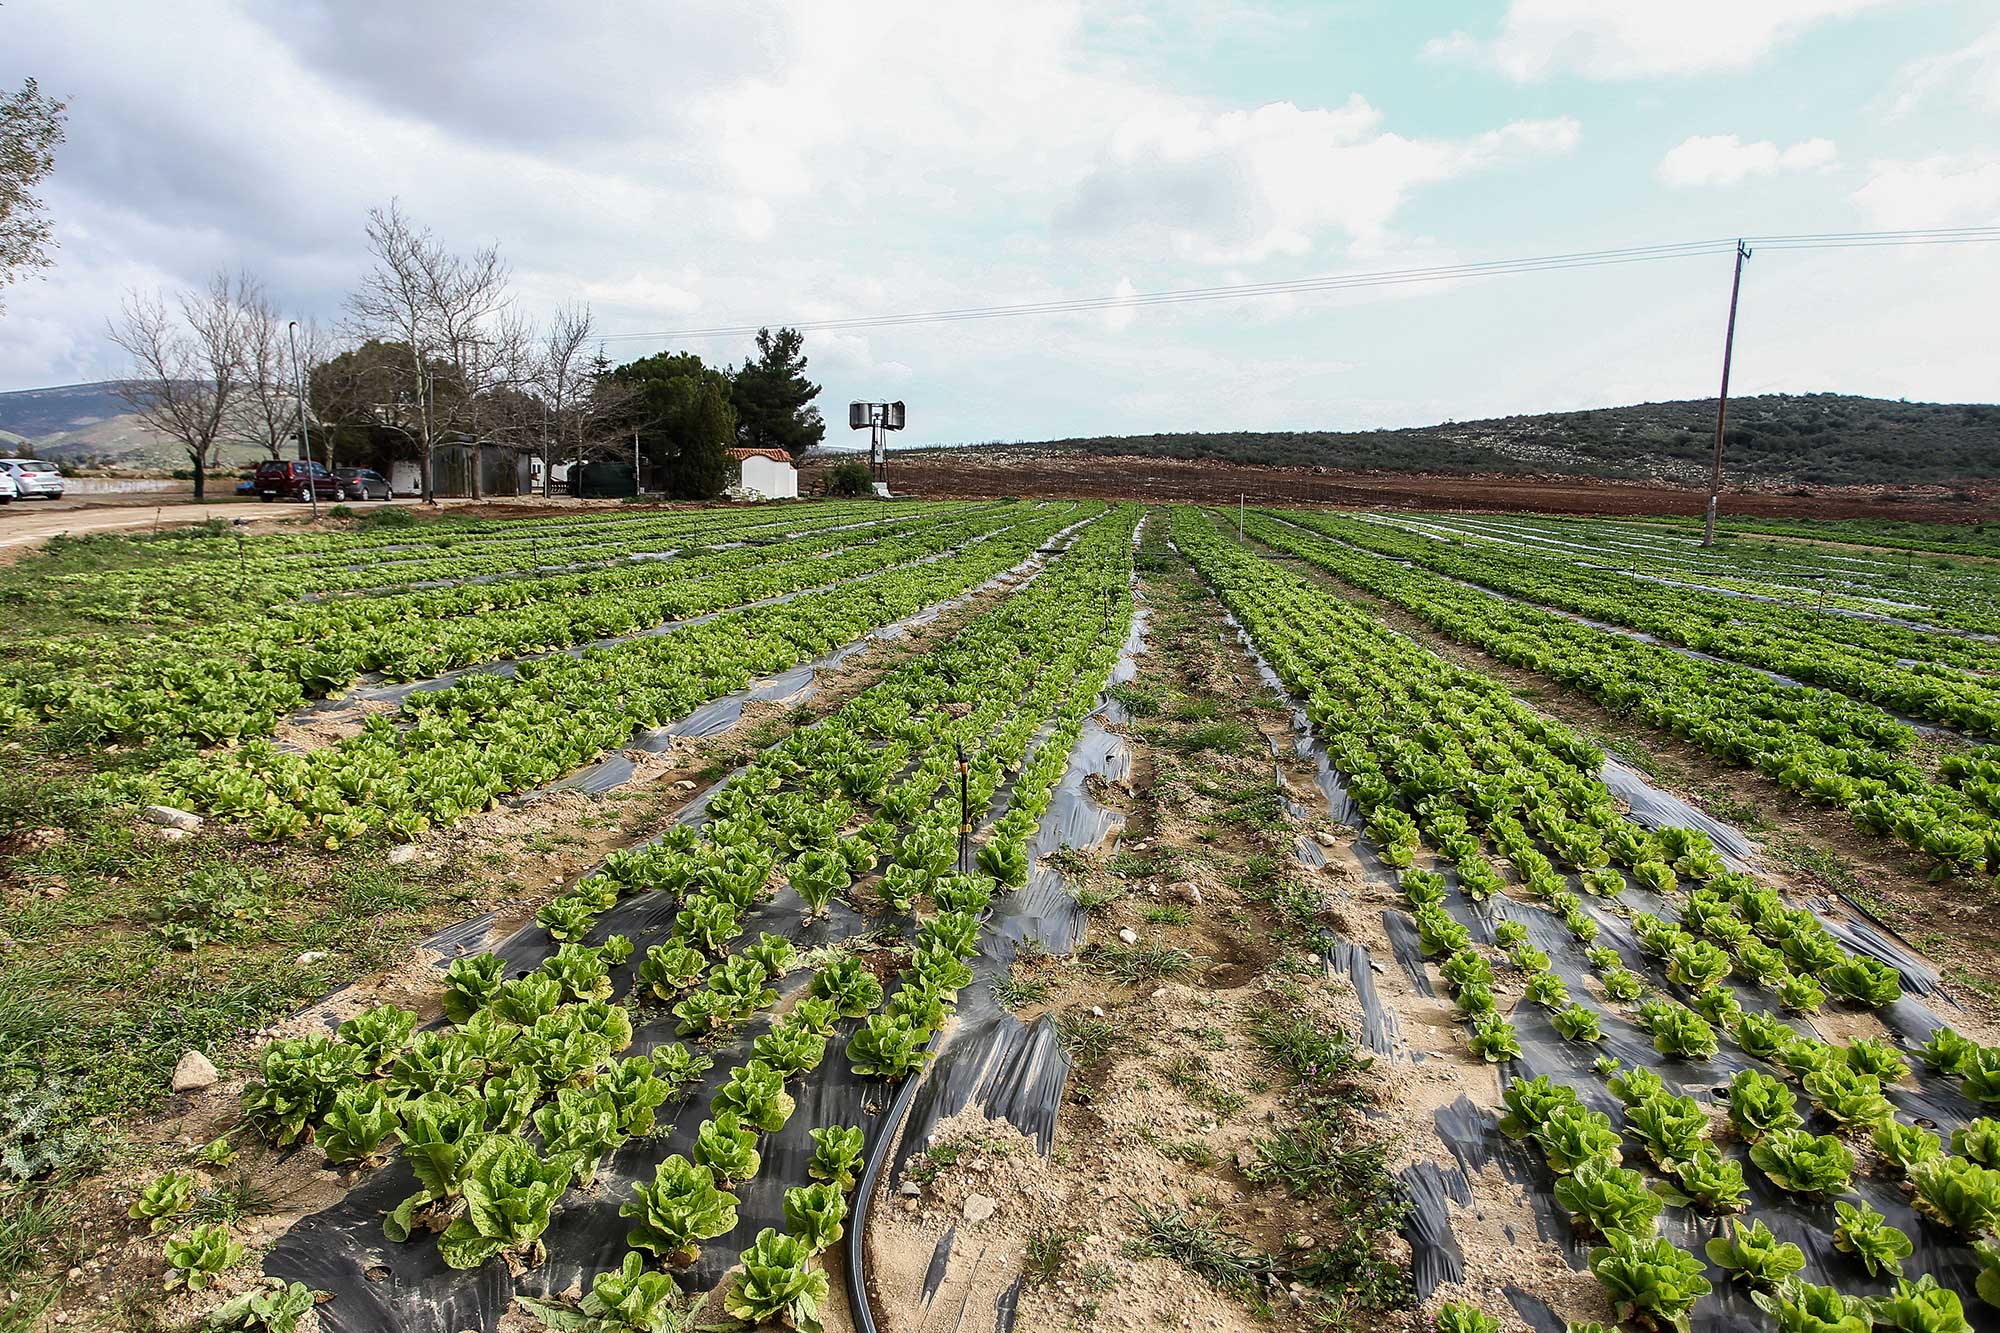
87 423
1819 439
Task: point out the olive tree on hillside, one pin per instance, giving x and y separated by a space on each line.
187 364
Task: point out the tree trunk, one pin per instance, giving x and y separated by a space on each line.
424 473
478 482
200 474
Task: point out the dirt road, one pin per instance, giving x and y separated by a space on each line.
29 523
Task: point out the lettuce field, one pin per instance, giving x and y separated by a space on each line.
1004 915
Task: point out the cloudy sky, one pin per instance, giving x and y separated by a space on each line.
707 163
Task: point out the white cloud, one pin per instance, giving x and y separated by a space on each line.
1943 190
1636 39
1724 159
1244 186
1970 74
1119 317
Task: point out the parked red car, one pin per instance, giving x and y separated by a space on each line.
291 479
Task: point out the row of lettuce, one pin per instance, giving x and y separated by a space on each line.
1827 747
1877 584
216 578
451 752
526 1092
1944 678
1446 765
224 683
1947 593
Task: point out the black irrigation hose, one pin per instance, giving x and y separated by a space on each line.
864 1193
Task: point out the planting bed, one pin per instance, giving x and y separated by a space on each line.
1001 915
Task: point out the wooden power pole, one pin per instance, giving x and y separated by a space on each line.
1722 402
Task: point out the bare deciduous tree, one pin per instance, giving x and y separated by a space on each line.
564 380
187 364
267 409
449 315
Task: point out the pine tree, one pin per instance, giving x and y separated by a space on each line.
773 397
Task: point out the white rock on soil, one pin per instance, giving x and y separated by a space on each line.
1184 893
1323 838
311 956
403 854
174 835
909 1189
979 1207
1129 935
169 817
193 1073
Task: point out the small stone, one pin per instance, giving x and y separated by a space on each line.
1377 968
909 1205
1184 892
76 1275
194 1072
909 1189
1323 838
1129 935
684 785
168 817
173 835
311 956
1097 1011
979 1207
402 854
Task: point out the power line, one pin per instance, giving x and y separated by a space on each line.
1349 281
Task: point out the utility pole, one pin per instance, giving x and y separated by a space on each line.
1722 402
305 437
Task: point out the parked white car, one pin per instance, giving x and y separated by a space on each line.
33 479
8 490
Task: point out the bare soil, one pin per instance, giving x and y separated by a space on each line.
965 474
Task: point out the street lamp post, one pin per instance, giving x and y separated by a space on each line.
305 436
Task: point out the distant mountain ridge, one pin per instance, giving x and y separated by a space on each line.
89 423
1817 439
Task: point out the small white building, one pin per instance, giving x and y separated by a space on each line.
767 473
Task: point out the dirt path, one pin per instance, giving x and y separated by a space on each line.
1202 1176
23 526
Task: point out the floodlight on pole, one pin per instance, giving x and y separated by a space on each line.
877 419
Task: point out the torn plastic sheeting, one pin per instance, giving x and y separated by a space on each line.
1655 809
1379 1029
1534 1311
336 1248
987 1056
1545 1052
1652 808
1435 1257
1340 806
1861 936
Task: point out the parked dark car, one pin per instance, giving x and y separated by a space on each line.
360 483
290 479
